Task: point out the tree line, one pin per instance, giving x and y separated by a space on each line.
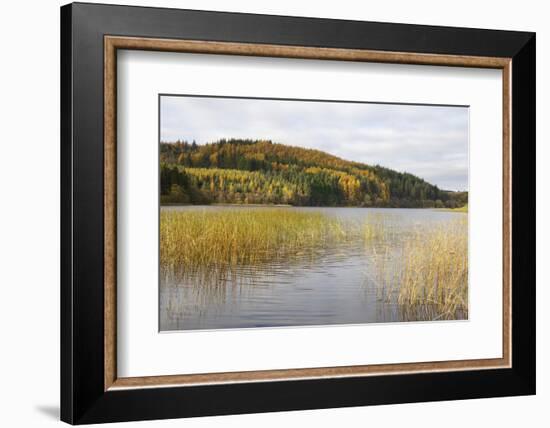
263 172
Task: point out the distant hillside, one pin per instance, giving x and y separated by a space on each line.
259 171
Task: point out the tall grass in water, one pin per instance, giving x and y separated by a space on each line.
218 241
423 270
431 278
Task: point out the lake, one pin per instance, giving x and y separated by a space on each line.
350 282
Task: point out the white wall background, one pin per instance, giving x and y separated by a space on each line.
29 214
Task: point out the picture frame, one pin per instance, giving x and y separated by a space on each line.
91 390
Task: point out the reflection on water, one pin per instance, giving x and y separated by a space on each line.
335 284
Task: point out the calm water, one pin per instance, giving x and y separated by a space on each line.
338 287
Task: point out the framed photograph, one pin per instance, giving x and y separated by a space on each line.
265 213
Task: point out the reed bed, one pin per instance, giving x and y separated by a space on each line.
214 240
428 276
422 270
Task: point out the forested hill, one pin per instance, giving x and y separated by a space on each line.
263 172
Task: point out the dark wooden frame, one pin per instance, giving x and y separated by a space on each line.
90 35
114 43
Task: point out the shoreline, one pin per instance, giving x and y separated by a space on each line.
457 210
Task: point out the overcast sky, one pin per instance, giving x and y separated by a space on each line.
428 141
